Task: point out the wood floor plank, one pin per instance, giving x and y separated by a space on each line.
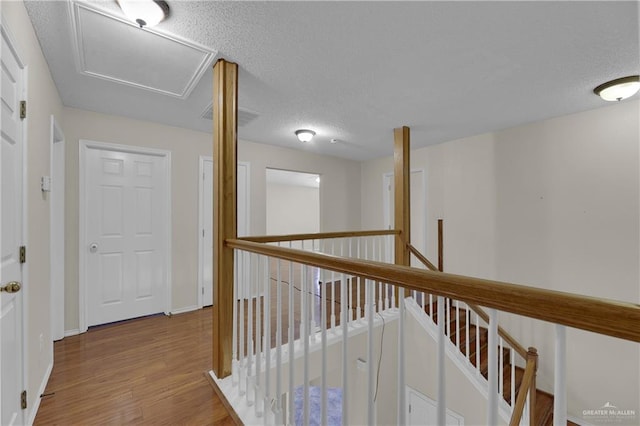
143 371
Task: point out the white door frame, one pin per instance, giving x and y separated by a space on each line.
201 189
56 220
86 145
7 34
387 202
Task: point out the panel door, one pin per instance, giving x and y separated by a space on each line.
126 272
11 197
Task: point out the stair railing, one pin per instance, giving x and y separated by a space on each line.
592 314
504 337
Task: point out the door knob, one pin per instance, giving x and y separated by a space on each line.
12 287
93 247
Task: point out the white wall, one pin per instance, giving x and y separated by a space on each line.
186 147
554 204
292 209
42 101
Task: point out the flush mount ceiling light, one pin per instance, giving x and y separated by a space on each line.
145 13
618 89
305 135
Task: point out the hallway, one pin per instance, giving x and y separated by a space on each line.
143 371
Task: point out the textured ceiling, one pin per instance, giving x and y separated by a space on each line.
355 70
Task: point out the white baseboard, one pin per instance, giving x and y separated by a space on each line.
74 332
43 386
185 310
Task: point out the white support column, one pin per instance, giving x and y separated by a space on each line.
492 408
560 379
442 389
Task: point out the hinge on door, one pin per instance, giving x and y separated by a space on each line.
202 290
23 110
23 254
203 232
409 408
23 400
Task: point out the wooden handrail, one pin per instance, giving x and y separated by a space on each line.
527 385
603 316
318 236
421 258
477 309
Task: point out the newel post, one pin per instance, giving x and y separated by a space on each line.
225 96
532 354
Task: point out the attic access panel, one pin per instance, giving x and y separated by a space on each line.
111 48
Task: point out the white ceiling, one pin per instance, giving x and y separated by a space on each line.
349 70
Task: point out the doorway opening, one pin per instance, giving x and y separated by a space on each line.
205 223
56 216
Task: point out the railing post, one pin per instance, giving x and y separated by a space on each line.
401 179
402 223
532 354
225 95
441 413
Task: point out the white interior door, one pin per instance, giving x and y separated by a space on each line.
125 237
11 235
56 207
206 222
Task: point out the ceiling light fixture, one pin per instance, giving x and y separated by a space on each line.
145 13
618 89
305 135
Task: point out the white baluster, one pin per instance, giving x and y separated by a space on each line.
267 338
258 338
458 325
278 339
513 378
401 361
249 285
323 392
477 344
305 288
345 350
291 345
243 344
234 333
369 290
441 416
560 379
492 402
333 293
467 317
501 368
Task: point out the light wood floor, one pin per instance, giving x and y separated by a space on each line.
142 371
